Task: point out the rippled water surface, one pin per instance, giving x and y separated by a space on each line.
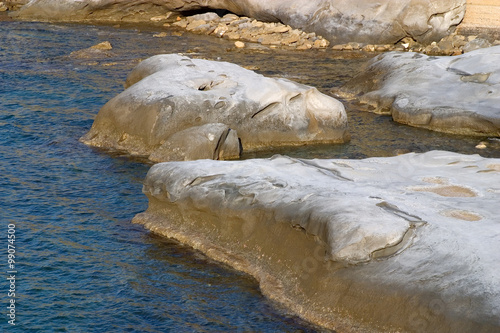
82 266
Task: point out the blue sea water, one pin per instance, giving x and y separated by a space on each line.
81 265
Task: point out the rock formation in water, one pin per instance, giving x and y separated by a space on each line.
406 243
340 21
168 94
101 50
458 94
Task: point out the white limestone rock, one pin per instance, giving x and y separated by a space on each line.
339 21
407 243
209 141
459 94
167 94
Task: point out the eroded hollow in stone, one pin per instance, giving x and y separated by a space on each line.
461 215
448 191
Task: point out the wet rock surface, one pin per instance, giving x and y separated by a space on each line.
458 94
98 51
167 94
402 243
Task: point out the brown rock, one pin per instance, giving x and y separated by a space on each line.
239 44
232 35
102 46
194 24
180 23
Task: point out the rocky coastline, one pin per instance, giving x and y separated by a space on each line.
401 244
412 28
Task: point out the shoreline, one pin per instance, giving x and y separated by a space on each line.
470 33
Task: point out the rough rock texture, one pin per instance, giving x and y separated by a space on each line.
101 50
340 21
481 16
406 243
167 94
14 4
458 94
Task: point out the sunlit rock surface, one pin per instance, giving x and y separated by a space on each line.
209 141
167 94
458 94
406 243
340 21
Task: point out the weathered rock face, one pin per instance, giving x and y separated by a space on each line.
340 21
407 243
458 94
167 94
364 21
210 141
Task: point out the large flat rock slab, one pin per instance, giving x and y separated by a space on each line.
340 21
459 94
406 243
167 94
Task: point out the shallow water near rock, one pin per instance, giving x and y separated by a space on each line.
81 265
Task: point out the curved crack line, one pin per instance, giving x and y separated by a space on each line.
408 236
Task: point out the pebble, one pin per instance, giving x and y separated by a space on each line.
233 27
274 34
239 44
160 18
481 145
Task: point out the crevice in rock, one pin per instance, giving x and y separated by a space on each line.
201 180
415 222
393 249
222 139
268 108
329 172
396 211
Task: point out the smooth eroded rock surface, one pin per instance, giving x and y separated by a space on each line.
340 21
167 94
209 141
406 243
459 94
